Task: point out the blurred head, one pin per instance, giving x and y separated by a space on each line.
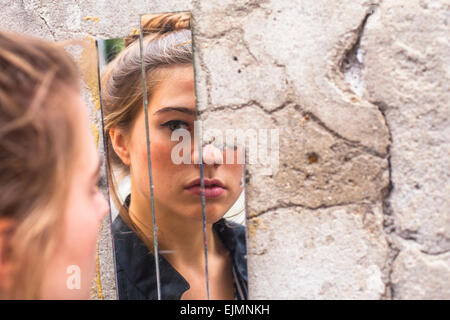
50 207
167 56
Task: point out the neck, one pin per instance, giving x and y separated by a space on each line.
180 239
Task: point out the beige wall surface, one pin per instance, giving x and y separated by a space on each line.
359 90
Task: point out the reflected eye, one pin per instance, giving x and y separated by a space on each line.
176 124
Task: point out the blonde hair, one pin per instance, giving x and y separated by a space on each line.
166 43
36 152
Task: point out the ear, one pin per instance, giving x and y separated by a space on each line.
120 144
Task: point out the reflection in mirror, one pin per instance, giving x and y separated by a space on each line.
177 208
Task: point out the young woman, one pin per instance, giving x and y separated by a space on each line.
50 206
167 55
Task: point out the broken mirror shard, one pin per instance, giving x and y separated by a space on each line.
177 201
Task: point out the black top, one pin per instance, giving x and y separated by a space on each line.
135 264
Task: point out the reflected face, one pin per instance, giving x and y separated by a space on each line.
85 209
177 186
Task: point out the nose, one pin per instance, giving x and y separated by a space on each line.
211 155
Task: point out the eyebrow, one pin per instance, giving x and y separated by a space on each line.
188 111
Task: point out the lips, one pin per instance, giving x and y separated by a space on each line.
213 188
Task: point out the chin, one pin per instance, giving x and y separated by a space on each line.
213 214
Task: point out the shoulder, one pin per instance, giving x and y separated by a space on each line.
133 262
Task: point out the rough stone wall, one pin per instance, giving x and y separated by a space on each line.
406 70
359 207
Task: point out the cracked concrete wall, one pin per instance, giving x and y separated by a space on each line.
359 90
359 207
409 80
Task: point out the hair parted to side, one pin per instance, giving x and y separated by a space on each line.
36 155
166 43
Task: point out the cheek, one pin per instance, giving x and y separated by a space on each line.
161 147
233 172
161 155
83 220
83 216
77 247
166 174
163 169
